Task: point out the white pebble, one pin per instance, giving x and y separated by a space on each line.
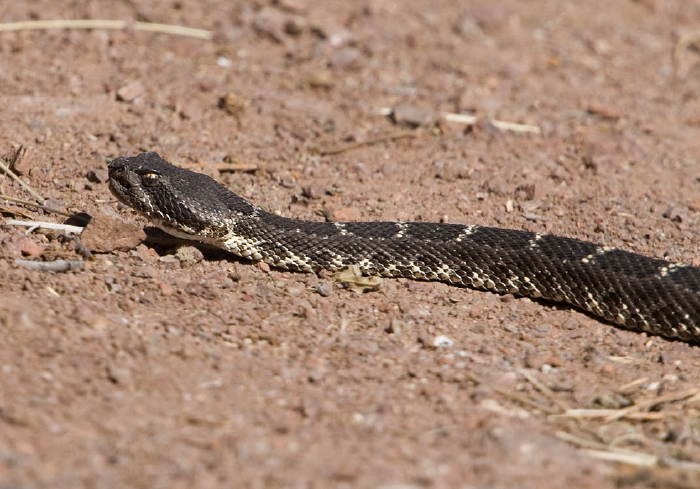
442 342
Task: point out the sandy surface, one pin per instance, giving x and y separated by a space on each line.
154 367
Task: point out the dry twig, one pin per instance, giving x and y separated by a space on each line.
544 389
32 225
369 142
670 397
6 168
502 125
175 30
512 396
58 266
38 206
607 413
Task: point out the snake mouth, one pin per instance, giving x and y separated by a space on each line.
119 181
125 185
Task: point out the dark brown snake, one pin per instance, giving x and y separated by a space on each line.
630 290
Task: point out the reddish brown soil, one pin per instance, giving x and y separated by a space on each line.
147 369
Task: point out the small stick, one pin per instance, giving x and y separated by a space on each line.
670 397
606 452
241 167
581 442
544 389
605 413
38 206
4 167
636 459
47 225
81 249
512 396
502 125
175 30
369 142
58 266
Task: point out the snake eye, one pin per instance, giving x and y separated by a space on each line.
150 179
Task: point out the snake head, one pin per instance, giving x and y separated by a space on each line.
138 182
180 201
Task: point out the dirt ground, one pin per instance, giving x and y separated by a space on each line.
159 366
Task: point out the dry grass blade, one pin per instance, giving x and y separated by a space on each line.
502 125
6 168
38 206
671 397
631 458
581 442
369 142
66 228
240 167
606 413
14 211
175 30
544 389
512 396
602 451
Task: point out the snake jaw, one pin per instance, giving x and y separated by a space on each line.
124 184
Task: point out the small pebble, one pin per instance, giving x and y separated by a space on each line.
324 289
270 22
232 104
189 255
98 175
131 91
414 116
321 79
166 289
29 247
442 341
605 112
345 59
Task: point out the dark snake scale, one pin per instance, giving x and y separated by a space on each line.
633 291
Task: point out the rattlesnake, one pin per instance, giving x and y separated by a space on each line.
633 291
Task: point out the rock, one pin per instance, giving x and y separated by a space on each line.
294 25
129 92
28 247
270 22
414 116
346 58
312 192
109 232
491 16
442 341
604 112
27 159
324 289
451 170
97 175
189 255
334 33
346 214
232 104
321 79
166 289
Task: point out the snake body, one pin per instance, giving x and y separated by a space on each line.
633 291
